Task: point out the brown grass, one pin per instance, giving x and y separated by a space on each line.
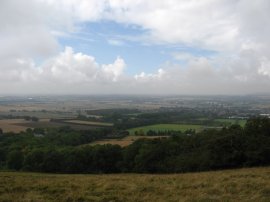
13 125
18 125
231 185
124 141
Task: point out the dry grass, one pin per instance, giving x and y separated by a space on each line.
124 141
231 185
13 125
18 125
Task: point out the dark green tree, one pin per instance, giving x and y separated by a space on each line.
15 160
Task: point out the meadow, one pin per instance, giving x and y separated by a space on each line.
91 123
225 122
249 184
216 123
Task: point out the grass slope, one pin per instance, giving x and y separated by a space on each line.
230 185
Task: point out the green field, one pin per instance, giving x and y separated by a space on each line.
216 123
165 127
90 123
229 185
231 121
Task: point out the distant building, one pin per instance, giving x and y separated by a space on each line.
265 115
238 117
38 135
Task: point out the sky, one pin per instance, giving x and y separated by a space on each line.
209 47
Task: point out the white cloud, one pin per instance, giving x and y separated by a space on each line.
24 31
224 25
148 77
265 67
238 30
115 42
71 72
182 56
114 70
72 68
62 72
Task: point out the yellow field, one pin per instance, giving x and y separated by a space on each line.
10 125
124 141
18 125
230 185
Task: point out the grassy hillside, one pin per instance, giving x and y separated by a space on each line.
230 185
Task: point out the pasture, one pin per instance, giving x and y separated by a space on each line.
251 184
91 123
226 122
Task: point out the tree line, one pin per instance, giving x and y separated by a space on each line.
62 152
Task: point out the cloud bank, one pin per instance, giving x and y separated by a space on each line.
33 61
